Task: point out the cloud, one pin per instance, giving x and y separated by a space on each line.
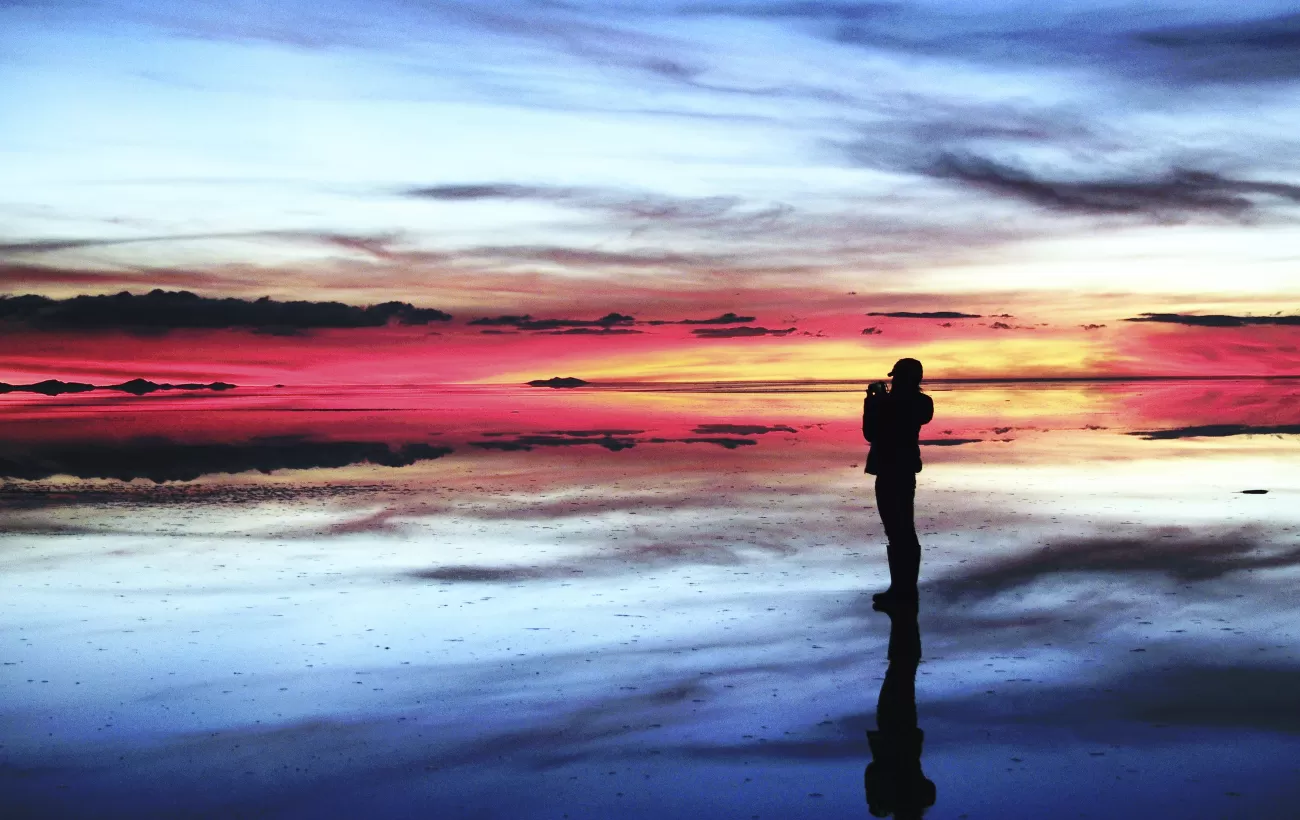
1241 695
639 211
1176 552
931 314
586 257
479 575
474 192
1248 695
613 441
14 276
1263 49
160 310
160 459
745 243
617 562
803 10
629 204
378 245
54 245
604 324
606 432
727 318
1219 431
739 332
588 331
743 429
1214 320
608 320
498 321
724 442
1181 47
1178 192
525 443
561 29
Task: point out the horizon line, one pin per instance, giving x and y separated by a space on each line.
689 383
758 382
956 379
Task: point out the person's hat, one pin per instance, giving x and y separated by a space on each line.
907 367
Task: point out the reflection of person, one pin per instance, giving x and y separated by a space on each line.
894 781
891 422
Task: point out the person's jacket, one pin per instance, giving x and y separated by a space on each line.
891 422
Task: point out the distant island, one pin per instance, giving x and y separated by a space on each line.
556 381
138 387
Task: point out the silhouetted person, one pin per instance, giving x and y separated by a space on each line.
891 422
893 780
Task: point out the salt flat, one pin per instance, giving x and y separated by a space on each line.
507 602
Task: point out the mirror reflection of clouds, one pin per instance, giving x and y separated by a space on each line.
683 613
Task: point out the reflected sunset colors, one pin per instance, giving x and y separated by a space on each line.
644 602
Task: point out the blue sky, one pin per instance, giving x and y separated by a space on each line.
1084 146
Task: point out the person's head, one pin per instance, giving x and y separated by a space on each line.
907 374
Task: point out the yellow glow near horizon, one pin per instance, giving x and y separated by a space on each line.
1043 404
795 360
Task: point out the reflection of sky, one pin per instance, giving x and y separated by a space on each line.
505 629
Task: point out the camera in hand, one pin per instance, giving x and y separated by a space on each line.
877 388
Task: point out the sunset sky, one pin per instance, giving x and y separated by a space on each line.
650 190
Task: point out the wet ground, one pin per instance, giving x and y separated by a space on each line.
521 603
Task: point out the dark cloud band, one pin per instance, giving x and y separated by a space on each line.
727 318
1219 431
1177 191
525 322
161 310
1215 320
739 332
929 314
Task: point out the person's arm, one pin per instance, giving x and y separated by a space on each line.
926 410
869 418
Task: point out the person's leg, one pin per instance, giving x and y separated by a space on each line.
888 503
885 505
895 499
909 558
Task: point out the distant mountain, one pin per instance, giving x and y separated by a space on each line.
141 386
54 387
556 381
50 387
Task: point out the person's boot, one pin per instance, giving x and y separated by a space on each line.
895 571
895 600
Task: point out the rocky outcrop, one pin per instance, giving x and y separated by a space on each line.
139 387
556 381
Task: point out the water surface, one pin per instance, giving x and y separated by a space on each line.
491 602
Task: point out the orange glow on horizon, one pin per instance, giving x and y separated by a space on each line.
817 360
451 354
